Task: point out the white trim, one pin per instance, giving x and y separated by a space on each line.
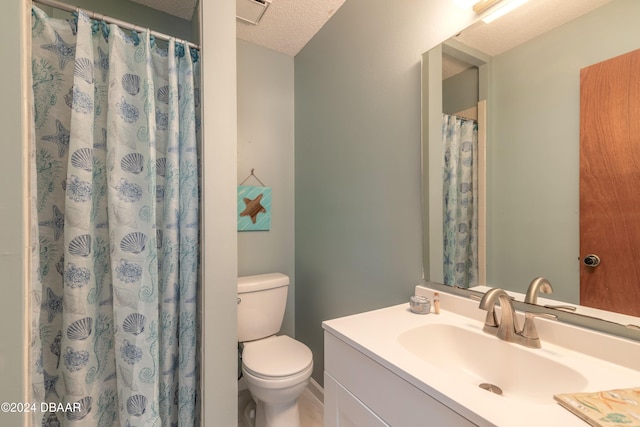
27 119
219 340
482 192
317 390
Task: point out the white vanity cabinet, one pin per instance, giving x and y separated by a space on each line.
391 367
360 392
344 409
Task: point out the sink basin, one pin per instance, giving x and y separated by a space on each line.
476 358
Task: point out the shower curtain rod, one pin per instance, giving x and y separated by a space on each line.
93 15
457 115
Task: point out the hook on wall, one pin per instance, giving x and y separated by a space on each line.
252 174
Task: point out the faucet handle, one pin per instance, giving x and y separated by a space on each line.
529 331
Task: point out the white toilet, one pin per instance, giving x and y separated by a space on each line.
277 368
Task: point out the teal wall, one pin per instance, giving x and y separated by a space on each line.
265 143
533 164
358 233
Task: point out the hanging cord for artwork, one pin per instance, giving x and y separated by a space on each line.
253 175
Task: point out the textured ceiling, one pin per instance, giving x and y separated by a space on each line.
286 26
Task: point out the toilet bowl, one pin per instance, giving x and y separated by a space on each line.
277 368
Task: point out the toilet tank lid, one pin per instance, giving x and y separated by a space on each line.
260 282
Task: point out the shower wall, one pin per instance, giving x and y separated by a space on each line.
130 12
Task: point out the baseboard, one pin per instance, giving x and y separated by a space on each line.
316 389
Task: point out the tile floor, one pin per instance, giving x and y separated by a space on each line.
310 409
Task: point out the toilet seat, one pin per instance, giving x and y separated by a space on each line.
276 357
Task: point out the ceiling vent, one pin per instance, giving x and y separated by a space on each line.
251 11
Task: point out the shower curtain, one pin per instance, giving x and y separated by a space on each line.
115 196
460 192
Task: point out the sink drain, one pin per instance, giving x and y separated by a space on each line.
492 388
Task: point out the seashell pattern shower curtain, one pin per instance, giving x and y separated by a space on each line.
115 196
460 192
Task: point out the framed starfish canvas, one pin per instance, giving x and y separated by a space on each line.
254 208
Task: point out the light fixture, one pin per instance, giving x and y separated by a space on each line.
483 5
499 11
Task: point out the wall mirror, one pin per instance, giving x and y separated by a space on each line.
529 75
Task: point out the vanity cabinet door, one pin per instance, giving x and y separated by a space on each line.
375 393
343 409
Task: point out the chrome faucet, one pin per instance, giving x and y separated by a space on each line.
537 285
507 328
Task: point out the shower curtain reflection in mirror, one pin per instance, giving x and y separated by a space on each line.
460 192
114 159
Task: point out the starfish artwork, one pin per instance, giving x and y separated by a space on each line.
253 208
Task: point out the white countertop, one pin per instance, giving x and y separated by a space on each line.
375 334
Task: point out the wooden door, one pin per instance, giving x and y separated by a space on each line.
610 184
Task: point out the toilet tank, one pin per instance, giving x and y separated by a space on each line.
262 300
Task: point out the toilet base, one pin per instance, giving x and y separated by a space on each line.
249 414
277 415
